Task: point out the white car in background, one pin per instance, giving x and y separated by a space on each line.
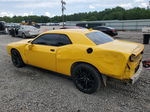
28 31
25 31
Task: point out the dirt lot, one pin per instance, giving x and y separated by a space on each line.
31 89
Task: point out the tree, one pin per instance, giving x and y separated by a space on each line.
117 13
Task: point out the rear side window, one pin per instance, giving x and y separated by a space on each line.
52 40
99 37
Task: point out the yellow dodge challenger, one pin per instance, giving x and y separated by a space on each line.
88 56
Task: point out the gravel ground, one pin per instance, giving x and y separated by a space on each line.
31 89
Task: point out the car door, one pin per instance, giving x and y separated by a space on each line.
42 51
20 31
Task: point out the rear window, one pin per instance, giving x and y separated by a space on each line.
29 28
99 37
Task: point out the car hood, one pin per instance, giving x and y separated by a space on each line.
123 46
25 41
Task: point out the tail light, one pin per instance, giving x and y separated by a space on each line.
132 58
113 30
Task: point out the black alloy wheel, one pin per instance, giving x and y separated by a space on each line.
16 59
86 78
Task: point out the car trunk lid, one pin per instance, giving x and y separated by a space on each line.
123 46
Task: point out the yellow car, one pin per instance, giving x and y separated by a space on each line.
88 56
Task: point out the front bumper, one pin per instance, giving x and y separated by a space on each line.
136 76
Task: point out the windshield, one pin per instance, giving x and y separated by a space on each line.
99 37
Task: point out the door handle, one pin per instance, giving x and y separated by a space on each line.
52 50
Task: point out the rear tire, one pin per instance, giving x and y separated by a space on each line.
17 59
86 78
23 36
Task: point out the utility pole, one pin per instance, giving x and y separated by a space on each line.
63 3
148 7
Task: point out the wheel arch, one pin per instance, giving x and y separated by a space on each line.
14 49
21 54
102 76
82 62
21 62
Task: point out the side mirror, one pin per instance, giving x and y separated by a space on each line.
29 41
30 46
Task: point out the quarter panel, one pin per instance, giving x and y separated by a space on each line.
107 62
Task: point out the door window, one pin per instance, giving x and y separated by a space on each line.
52 40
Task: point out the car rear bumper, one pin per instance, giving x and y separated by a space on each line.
136 76
114 33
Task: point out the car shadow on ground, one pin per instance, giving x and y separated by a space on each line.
44 72
38 73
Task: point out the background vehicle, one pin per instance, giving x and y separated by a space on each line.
13 29
146 63
89 25
24 31
108 30
85 55
2 27
31 23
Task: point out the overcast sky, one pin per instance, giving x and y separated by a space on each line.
53 7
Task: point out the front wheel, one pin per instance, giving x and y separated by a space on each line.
16 59
86 78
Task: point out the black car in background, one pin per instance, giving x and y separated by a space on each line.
2 27
108 30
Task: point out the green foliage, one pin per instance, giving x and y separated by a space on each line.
117 13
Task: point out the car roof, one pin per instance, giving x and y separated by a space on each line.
77 36
103 27
81 31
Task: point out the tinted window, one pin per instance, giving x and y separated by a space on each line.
100 28
99 37
52 40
